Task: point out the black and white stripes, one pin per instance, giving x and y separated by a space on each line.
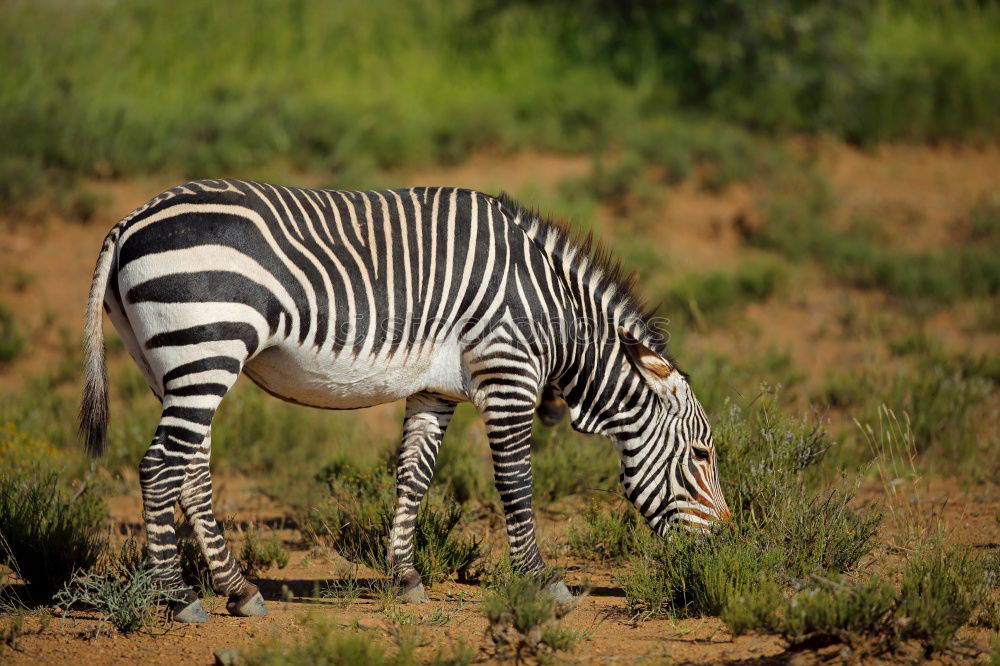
339 300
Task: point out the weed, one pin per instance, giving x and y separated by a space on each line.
260 554
126 594
45 535
566 463
194 569
523 619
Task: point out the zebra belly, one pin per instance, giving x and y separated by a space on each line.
342 382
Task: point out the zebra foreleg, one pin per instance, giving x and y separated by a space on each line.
427 417
227 579
508 426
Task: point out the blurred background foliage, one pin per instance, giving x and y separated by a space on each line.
124 87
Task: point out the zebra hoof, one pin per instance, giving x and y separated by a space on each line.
193 612
247 605
559 592
414 595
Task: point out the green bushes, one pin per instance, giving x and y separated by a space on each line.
46 534
102 92
782 528
609 535
940 588
258 554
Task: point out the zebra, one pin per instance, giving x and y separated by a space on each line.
347 299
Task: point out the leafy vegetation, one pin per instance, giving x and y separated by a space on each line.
11 340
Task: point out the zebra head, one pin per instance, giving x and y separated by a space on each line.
669 466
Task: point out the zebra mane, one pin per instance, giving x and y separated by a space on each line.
591 258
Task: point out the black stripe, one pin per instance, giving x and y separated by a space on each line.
223 330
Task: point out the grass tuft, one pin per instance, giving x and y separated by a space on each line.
523 619
258 554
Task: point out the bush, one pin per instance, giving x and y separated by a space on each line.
257 554
126 594
47 536
782 529
565 463
609 535
523 619
939 590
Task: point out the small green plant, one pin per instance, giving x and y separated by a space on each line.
258 554
566 463
126 594
523 619
609 535
47 535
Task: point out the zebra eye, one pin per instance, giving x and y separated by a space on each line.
700 452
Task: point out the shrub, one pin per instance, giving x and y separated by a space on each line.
257 554
565 463
940 588
523 619
609 535
47 536
194 569
126 594
690 575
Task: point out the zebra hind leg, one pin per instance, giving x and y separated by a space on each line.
161 476
427 417
196 499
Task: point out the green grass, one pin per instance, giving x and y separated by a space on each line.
609 535
798 226
260 553
11 340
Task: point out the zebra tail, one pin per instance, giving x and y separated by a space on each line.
94 405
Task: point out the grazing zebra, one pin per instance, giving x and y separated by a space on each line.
340 300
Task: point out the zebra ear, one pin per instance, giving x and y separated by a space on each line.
655 369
